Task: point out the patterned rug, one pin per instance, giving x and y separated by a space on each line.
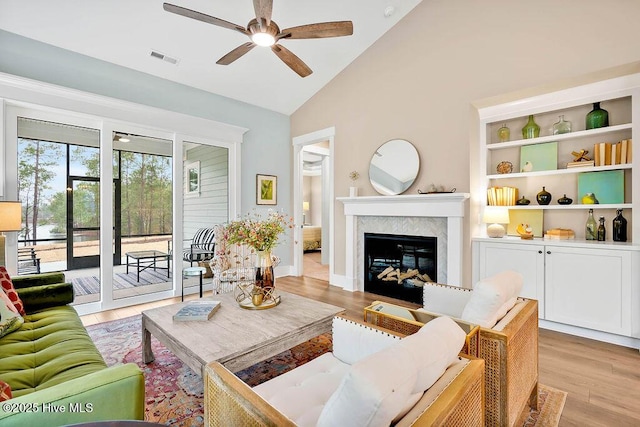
174 393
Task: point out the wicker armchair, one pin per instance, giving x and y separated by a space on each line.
510 351
233 263
455 399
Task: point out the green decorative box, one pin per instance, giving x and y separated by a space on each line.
607 186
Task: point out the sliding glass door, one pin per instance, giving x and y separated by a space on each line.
142 215
99 202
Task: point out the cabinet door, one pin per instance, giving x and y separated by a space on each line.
527 260
590 288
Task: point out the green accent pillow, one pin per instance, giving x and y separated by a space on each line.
10 320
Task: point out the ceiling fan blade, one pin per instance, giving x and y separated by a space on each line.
183 11
263 10
236 53
319 30
291 60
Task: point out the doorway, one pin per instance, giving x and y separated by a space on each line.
313 204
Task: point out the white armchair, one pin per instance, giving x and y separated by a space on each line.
233 263
508 339
372 378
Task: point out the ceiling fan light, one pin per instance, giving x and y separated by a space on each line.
263 39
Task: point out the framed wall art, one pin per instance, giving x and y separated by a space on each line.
192 179
266 190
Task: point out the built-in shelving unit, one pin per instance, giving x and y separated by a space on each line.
601 280
620 97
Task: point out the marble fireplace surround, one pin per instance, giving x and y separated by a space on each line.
439 215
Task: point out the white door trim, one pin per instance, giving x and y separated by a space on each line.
299 142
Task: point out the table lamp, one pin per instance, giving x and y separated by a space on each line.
10 220
495 216
305 208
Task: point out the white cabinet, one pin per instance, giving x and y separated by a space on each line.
528 260
583 285
590 288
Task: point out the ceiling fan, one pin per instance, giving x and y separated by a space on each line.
264 32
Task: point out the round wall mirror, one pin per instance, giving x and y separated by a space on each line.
394 166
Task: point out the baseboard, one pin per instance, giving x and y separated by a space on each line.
591 334
343 282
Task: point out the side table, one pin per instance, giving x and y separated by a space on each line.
407 321
190 272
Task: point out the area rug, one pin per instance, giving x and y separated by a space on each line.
174 393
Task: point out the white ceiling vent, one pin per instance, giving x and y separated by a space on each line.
163 57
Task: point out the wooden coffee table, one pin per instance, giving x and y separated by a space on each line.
236 337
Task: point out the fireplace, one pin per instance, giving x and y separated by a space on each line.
398 265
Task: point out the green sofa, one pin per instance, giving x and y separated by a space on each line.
56 374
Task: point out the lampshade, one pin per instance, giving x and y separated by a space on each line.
496 215
305 206
10 216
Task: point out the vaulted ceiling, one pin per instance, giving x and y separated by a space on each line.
125 32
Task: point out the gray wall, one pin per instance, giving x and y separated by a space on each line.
266 148
211 207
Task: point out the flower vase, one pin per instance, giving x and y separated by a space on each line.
265 279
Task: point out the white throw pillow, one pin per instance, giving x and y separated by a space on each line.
444 299
353 341
433 348
492 298
374 391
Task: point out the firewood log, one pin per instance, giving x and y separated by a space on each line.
385 272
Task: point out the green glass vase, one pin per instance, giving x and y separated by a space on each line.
597 118
531 129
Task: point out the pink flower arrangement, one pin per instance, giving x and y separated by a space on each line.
261 234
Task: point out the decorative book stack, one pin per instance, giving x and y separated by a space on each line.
197 310
608 153
502 196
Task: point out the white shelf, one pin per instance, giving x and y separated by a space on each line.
559 138
559 171
573 206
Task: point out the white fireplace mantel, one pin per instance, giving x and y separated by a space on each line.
451 206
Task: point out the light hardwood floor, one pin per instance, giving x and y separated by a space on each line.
603 380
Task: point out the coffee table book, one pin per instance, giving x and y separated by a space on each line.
196 310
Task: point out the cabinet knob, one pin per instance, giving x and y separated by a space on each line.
549 252
539 252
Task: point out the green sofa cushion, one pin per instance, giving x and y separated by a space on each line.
51 347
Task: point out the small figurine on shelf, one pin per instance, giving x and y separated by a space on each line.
504 167
525 232
580 160
590 199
